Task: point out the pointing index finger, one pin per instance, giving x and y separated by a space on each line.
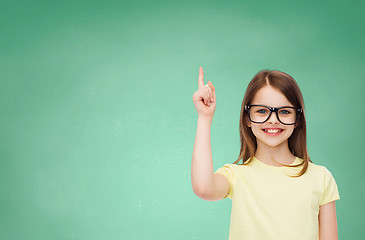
201 78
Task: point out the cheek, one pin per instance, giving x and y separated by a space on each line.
289 131
255 129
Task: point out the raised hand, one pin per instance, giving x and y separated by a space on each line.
204 99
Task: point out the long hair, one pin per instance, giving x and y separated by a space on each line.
298 140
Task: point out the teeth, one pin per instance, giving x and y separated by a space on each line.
272 130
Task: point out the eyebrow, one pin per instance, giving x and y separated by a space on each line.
271 106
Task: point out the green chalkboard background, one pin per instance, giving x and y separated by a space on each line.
98 122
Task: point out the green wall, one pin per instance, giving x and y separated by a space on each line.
98 122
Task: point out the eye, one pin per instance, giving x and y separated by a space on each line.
286 111
262 110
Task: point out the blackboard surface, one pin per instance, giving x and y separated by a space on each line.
98 123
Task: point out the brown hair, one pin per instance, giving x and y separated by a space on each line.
298 140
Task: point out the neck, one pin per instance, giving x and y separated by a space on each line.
279 153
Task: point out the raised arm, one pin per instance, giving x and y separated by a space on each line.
205 183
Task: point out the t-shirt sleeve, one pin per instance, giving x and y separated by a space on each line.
330 191
228 171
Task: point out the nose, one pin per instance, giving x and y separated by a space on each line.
273 118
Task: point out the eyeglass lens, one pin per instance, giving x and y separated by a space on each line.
260 114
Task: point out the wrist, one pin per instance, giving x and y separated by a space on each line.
205 120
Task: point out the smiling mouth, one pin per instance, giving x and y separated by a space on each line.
273 130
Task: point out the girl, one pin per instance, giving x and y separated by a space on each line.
277 192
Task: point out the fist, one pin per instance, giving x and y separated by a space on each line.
204 99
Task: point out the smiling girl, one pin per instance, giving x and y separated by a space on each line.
277 192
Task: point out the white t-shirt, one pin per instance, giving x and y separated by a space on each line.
268 204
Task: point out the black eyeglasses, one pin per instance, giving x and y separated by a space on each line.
287 115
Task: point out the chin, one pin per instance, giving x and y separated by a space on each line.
273 143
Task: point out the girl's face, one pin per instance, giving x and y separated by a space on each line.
271 97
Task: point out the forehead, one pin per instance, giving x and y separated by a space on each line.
271 97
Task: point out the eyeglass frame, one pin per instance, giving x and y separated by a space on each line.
273 109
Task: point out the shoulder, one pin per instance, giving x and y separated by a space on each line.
234 166
231 165
229 169
319 169
320 172
326 183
